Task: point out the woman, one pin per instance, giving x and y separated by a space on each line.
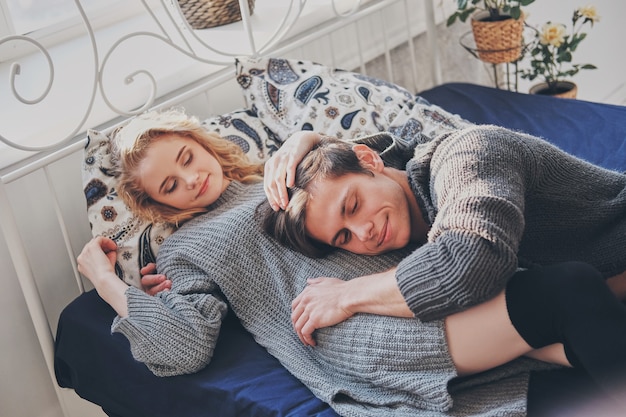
210 162
345 197
222 260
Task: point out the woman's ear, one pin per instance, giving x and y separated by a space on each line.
369 158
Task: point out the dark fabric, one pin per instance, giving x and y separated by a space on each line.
568 392
571 304
242 380
593 131
546 302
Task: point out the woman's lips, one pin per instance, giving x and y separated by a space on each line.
204 187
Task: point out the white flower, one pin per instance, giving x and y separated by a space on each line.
552 34
589 13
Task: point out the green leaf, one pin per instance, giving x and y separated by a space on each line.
464 15
566 56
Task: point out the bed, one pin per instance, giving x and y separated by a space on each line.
243 379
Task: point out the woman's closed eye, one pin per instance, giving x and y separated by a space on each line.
172 187
174 183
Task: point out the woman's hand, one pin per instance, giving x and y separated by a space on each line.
153 283
280 169
97 262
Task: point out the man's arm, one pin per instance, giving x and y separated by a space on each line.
475 183
328 301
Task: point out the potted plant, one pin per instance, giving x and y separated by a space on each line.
497 26
551 54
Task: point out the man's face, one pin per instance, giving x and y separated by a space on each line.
359 213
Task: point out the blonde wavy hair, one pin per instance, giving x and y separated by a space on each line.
131 141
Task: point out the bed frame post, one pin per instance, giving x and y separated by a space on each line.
28 285
431 30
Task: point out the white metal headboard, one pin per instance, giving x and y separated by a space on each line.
31 165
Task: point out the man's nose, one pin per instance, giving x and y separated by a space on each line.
364 230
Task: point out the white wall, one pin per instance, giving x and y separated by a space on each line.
602 47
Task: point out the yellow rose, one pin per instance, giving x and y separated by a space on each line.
589 12
552 34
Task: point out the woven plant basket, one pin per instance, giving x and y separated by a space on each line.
202 14
498 42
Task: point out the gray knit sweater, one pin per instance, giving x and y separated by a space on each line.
496 199
366 366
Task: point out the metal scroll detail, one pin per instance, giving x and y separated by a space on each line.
171 30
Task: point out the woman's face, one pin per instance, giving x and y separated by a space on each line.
359 213
179 172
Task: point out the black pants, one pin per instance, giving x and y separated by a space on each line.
570 303
569 392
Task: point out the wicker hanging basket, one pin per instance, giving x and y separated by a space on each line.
202 14
498 42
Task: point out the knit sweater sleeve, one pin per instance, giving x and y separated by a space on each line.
474 183
174 332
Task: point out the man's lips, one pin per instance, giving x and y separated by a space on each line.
203 187
383 233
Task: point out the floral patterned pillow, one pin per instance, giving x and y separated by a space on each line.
138 241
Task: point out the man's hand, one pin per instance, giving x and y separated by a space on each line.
153 283
318 305
328 301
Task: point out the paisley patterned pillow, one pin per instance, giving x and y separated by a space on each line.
138 241
291 95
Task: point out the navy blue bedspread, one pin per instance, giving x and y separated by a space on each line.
592 131
243 379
